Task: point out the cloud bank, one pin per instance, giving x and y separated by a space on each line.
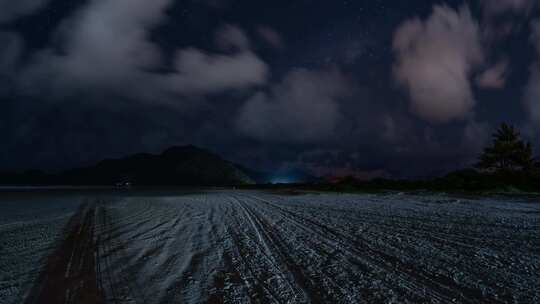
106 51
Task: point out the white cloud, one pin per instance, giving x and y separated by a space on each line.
435 59
303 108
107 52
106 49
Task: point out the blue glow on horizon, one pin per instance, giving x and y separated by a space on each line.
283 180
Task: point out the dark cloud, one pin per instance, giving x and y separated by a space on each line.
475 136
303 108
201 73
435 59
12 10
271 37
216 4
501 19
532 90
10 51
498 7
231 37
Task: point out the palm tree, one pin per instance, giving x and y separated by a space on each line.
508 152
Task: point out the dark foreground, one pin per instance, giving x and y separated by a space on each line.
245 247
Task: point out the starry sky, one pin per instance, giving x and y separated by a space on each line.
367 88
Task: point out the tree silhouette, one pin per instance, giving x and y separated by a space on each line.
507 153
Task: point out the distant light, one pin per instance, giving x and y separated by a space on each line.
283 180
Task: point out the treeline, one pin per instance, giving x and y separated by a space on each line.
468 180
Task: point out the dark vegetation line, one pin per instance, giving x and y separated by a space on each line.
506 166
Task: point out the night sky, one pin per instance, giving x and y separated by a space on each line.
371 88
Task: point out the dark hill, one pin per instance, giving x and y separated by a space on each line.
177 166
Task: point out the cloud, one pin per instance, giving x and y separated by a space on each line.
104 48
435 59
532 90
498 7
201 73
303 108
503 18
106 51
494 77
10 51
231 37
10 54
271 37
12 10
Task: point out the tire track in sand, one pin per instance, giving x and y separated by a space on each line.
70 274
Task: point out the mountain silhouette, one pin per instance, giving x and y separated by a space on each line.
176 166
